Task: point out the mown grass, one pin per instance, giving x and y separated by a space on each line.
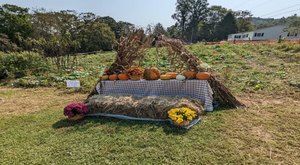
264 76
266 132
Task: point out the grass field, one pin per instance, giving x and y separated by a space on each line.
266 77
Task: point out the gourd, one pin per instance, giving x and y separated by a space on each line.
180 77
113 77
104 77
151 74
165 77
172 74
123 76
203 75
189 74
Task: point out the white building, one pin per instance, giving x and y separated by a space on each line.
270 33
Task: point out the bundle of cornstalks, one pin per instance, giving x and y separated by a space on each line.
178 54
177 50
130 49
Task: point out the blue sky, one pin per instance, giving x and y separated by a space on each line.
143 12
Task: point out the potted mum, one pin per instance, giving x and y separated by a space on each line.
75 111
182 116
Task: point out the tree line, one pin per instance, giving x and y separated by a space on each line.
57 33
197 21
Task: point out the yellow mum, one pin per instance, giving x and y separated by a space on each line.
179 115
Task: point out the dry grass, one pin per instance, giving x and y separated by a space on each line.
19 101
267 131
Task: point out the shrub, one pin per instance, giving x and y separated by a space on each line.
31 82
18 65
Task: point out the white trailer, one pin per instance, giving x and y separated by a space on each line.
270 33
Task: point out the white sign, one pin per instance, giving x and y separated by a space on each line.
73 83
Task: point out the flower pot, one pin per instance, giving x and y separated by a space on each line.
183 124
76 117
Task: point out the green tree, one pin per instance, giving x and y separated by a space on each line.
14 21
125 28
112 24
205 32
96 36
182 15
215 15
293 24
244 21
56 27
173 31
6 45
228 25
159 29
198 14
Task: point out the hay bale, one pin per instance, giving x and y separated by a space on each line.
155 107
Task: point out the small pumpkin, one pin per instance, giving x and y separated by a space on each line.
189 74
113 77
123 76
172 74
104 77
151 74
203 75
165 77
180 77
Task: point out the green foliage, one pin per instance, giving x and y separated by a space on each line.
244 21
6 45
119 28
294 25
159 29
173 31
228 25
96 36
18 65
14 22
57 33
31 82
189 13
268 22
195 21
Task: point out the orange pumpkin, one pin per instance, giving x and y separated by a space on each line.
165 77
104 77
203 75
152 74
172 74
113 77
189 74
123 76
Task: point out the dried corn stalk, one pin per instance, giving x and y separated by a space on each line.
130 50
176 47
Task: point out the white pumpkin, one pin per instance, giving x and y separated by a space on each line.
180 77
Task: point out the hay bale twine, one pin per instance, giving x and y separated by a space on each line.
155 107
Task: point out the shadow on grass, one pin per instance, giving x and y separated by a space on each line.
88 122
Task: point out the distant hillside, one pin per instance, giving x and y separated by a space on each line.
267 22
